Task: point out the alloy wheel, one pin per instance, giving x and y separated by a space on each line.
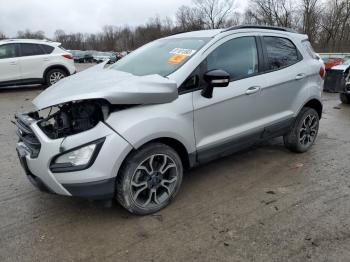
55 77
308 130
154 181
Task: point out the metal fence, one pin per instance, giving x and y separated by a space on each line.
337 55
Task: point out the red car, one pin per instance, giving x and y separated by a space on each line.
329 62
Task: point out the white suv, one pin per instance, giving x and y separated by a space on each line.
30 61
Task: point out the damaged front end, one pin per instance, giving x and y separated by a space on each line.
62 121
73 118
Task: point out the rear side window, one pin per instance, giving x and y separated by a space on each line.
31 50
238 57
8 51
281 52
47 49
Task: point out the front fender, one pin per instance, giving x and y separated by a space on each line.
141 124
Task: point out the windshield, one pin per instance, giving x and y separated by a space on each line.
347 62
161 57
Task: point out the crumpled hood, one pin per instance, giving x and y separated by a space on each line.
114 86
340 67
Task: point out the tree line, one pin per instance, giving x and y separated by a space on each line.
326 22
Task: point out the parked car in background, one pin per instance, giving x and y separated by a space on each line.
129 130
82 56
104 56
28 61
329 62
338 81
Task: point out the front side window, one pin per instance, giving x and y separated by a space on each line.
281 52
31 50
161 57
7 51
238 57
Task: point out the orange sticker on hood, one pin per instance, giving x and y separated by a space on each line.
176 59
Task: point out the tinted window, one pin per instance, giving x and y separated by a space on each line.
238 57
7 51
31 50
281 52
47 49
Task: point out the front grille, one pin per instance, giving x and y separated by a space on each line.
335 81
26 135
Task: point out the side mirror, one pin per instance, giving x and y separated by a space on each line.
215 78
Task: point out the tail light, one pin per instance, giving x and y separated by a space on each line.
322 72
68 56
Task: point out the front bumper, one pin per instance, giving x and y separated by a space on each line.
96 182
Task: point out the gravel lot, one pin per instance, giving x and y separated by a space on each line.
263 204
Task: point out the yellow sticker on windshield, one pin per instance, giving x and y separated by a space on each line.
176 59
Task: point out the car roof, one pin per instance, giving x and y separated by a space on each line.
30 41
239 29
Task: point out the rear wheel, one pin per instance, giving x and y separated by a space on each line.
345 98
304 131
149 179
54 75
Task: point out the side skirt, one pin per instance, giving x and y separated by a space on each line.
235 145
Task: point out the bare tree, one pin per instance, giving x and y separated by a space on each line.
214 12
310 12
189 18
2 35
31 35
336 25
326 22
271 12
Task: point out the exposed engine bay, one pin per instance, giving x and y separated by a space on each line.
73 117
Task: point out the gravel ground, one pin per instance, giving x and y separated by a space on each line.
263 204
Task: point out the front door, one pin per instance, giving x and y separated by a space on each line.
233 116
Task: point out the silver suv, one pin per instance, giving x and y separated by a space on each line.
128 131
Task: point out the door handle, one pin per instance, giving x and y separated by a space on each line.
300 76
46 59
13 63
253 90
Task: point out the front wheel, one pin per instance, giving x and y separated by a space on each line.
149 179
304 131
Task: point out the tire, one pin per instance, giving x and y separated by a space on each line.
143 189
304 131
344 98
54 75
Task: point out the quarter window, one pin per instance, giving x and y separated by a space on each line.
7 51
281 52
31 50
47 49
238 57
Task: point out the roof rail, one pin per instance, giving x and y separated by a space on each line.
26 39
266 27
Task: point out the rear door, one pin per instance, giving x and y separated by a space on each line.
285 76
9 66
33 61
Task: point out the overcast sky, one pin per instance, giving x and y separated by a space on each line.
82 15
